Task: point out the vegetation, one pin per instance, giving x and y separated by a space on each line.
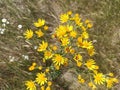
38 21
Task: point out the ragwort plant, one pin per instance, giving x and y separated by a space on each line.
72 46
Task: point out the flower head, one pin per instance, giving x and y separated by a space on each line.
28 34
39 33
40 23
43 46
99 78
64 18
78 57
41 79
58 60
65 41
91 64
30 85
48 54
73 34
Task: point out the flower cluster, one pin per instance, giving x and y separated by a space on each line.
72 46
3 26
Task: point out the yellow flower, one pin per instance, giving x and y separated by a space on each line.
111 74
49 83
28 34
40 23
91 51
42 88
34 64
65 41
79 63
47 70
89 25
61 31
87 21
83 28
77 19
64 18
45 27
48 54
31 68
85 35
54 48
69 28
78 57
90 84
99 78
72 51
41 78
73 34
110 82
80 79
43 46
58 60
87 44
30 85
91 64
40 67
79 41
67 49
39 33
48 88
69 12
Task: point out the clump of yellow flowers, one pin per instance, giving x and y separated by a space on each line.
72 46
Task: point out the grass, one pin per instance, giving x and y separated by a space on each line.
104 14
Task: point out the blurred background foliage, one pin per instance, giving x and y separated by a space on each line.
105 15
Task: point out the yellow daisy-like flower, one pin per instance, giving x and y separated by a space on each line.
99 78
90 84
54 47
41 78
89 25
31 68
64 18
28 34
30 85
78 57
49 83
79 41
61 31
39 33
111 74
48 88
85 35
91 51
109 82
42 88
58 60
69 28
91 64
87 44
83 28
73 34
65 41
43 46
34 64
39 23
80 79
67 49
45 27
79 63
48 54
69 12
87 21
40 67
